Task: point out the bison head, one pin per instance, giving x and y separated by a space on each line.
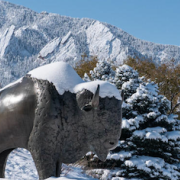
102 117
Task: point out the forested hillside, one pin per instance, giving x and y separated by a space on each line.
29 39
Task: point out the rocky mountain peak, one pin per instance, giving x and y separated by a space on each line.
29 39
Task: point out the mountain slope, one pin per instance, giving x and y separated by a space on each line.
29 39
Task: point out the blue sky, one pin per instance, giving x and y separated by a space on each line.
152 20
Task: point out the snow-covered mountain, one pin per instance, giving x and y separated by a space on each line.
29 39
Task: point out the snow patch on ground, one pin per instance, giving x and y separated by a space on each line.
20 166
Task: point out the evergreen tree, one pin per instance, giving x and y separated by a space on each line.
149 145
102 71
166 75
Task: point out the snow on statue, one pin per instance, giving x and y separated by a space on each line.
58 117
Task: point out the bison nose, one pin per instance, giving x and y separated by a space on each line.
110 143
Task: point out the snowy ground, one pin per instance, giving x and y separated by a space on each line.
20 166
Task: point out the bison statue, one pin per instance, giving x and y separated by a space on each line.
59 118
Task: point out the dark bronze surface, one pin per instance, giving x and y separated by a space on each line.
56 128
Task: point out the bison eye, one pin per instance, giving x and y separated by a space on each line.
111 143
87 107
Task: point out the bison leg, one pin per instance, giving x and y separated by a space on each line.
58 169
45 150
47 166
45 139
3 160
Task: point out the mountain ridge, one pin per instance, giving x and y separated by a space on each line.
29 39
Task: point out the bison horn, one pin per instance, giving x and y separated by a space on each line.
95 99
94 102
